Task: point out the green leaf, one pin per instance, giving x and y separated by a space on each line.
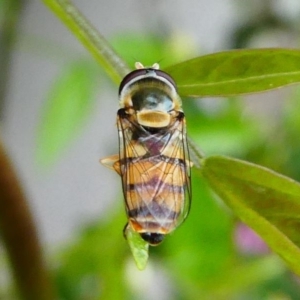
146 49
139 248
266 201
224 130
91 265
237 72
69 103
149 49
198 250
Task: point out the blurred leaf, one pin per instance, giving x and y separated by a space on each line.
290 141
266 201
291 110
149 49
222 128
139 248
69 104
199 250
93 265
237 72
248 276
146 49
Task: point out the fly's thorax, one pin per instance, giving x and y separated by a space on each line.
151 98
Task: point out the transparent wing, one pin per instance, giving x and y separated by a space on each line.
155 170
196 154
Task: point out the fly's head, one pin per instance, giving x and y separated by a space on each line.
150 95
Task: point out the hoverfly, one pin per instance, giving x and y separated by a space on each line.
153 160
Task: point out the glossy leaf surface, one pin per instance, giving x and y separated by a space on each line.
266 201
237 72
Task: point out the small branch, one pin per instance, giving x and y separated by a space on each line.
114 66
8 25
20 236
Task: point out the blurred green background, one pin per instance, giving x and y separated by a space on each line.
58 114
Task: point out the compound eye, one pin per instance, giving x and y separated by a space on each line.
131 76
166 76
143 72
153 239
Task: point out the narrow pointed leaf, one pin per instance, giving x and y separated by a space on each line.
237 72
265 200
139 248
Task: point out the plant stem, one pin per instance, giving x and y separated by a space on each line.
8 25
20 236
114 66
